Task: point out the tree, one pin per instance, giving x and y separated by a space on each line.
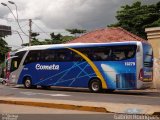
56 39
75 31
67 38
34 35
136 17
3 49
34 40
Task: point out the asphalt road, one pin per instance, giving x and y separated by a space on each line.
143 97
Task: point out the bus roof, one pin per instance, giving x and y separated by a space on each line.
40 47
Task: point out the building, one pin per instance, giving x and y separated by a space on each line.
153 36
5 30
113 34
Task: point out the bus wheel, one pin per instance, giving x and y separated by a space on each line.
27 83
95 86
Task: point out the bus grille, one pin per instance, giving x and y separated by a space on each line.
125 80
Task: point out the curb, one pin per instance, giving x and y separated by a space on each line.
85 106
56 105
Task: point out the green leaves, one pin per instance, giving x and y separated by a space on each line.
3 49
136 17
55 39
75 31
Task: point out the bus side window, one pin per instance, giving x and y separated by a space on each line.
31 57
51 55
100 54
130 54
122 52
63 55
77 57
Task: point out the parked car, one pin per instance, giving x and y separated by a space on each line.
3 81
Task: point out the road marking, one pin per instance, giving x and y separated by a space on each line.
53 95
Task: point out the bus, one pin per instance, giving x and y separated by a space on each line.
97 66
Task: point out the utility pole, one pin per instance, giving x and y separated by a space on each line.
30 31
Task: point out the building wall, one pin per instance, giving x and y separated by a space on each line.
153 36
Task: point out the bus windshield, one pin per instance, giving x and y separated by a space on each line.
16 60
147 56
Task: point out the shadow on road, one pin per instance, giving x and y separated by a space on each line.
119 92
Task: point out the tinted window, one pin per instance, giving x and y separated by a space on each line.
147 55
40 56
94 53
49 56
17 60
123 52
115 53
64 55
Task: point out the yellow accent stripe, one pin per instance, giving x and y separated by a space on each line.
94 67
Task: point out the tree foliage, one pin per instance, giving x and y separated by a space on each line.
34 35
75 31
3 49
34 40
136 17
58 39
55 39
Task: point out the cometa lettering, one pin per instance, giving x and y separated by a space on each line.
47 67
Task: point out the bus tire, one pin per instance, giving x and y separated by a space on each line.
95 85
28 83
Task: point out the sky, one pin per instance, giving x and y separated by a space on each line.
57 15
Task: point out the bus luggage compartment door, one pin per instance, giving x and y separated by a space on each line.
125 81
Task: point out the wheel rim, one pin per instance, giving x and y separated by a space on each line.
95 86
27 83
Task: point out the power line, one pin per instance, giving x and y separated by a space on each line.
15 17
40 29
30 31
20 19
51 32
23 26
19 33
45 31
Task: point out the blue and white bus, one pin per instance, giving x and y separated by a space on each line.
97 66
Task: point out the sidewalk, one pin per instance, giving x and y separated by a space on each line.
84 105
